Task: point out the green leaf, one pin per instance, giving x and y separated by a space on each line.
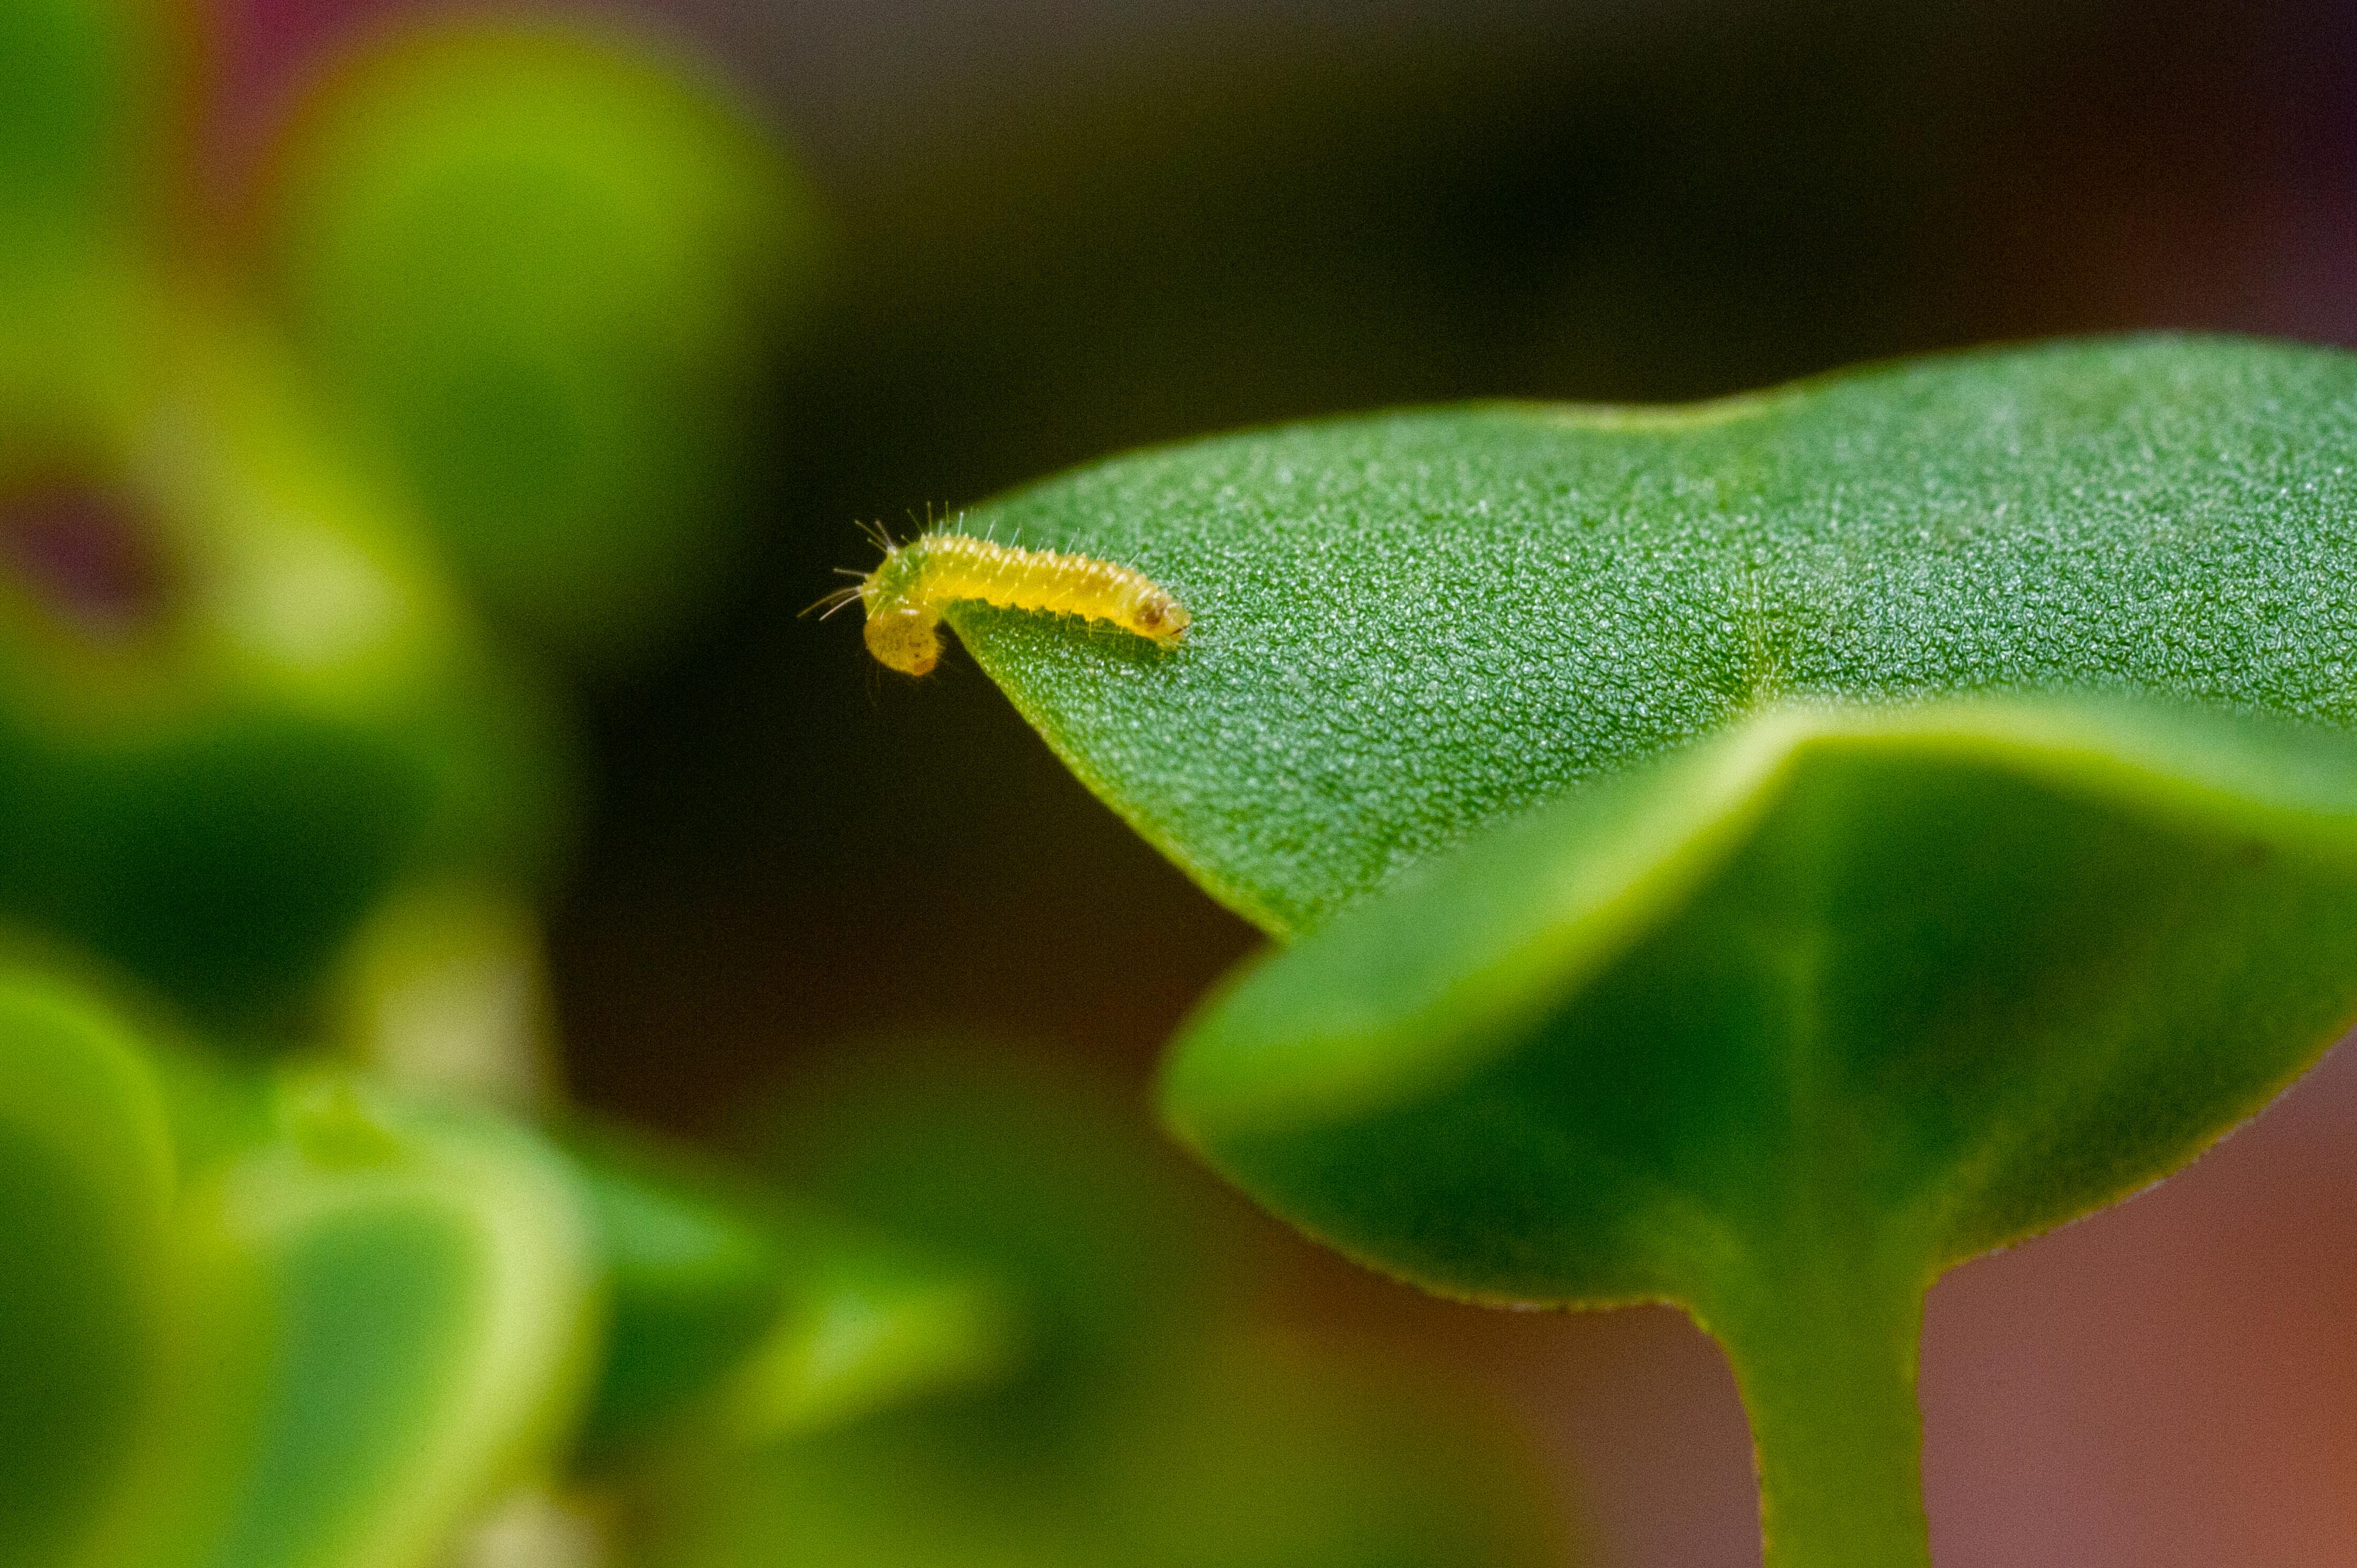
86 1169
1410 624
1266 1456
1241 1458
736 1318
547 270
1135 1429
690 1284
81 87
869 1324
1782 1027
380 1321
1778 1010
1019 1169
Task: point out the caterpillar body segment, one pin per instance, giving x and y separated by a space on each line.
905 596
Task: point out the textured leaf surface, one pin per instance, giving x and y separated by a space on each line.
1410 624
1970 970
1804 945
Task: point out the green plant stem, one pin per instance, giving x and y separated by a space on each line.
1823 1343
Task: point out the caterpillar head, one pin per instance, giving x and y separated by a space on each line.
905 638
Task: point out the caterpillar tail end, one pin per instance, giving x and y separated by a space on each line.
905 640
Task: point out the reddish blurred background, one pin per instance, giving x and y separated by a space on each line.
1066 227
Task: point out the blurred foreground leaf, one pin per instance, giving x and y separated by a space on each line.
1271 1456
236 705
1023 1169
1135 1428
83 91
736 1319
549 272
380 1319
86 1185
868 1324
1245 1458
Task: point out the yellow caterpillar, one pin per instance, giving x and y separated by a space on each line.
906 594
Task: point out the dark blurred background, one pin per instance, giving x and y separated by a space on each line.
1062 227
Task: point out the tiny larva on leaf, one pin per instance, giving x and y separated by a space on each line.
906 594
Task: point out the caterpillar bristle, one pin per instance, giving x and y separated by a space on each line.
827 604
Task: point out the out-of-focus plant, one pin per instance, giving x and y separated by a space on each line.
542 278
310 1347
1681 914
257 763
296 1320
374 1314
92 84
549 278
237 702
1130 1420
739 1316
375 1299
86 1162
238 699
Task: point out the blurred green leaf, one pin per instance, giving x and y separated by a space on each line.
1785 1026
692 1286
1023 1170
216 1106
1271 1456
549 273
1241 1459
380 1321
1138 1430
736 1318
86 1171
82 93
235 706
1410 624
444 992
868 1324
